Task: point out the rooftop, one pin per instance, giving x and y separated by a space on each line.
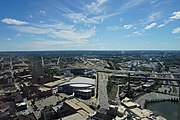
141 113
77 105
44 89
55 83
82 80
80 85
75 116
130 104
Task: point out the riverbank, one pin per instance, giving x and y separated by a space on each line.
153 96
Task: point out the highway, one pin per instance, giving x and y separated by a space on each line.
21 60
153 78
136 72
58 61
42 61
103 97
1 59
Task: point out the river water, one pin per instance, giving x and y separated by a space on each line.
167 109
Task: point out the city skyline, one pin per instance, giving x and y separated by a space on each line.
89 25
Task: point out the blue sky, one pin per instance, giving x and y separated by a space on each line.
89 25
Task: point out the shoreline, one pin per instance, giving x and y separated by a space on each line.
153 97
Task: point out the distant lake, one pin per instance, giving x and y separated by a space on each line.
168 110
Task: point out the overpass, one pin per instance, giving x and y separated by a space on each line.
152 78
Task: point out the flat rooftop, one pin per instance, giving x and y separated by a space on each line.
130 104
77 105
55 83
141 113
75 116
44 89
58 77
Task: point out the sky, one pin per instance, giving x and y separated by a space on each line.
38 25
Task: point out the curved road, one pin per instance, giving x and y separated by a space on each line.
152 96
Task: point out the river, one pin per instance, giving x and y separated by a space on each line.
167 109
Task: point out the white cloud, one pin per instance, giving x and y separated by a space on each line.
161 25
30 16
100 2
153 1
176 30
9 39
130 4
150 26
95 13
18 35
176 15
31 29
96 7
77 17
113 28
60 26
74 35
13 21
136 33
58 30
128 26
59 42
154 16
42 11
93 8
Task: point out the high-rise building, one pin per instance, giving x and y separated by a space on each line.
37 73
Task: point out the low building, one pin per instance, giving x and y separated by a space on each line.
30 116
44 92
48 114
21 106
136 112
74 109
58 80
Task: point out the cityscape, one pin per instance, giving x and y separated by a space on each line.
89 60
93 85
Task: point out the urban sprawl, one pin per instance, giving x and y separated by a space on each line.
86 85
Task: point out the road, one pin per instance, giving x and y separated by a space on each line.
58 61
21 60
1 59
42 61
103 97
11 64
